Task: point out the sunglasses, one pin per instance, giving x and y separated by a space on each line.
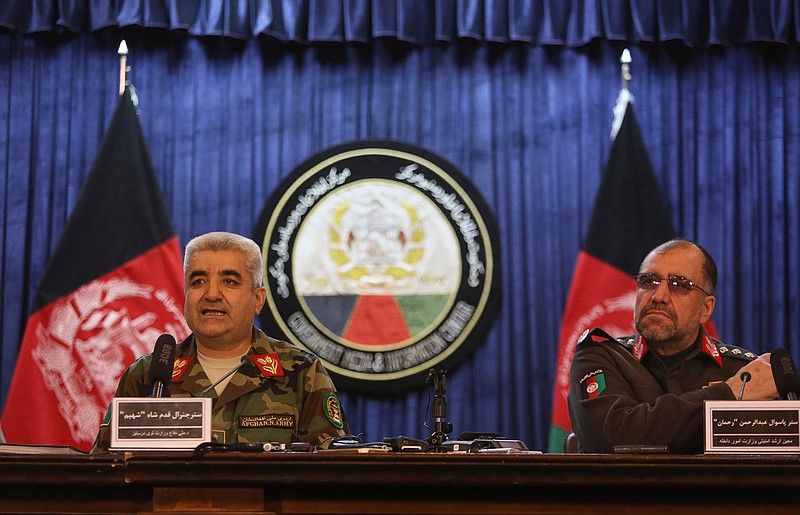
678 285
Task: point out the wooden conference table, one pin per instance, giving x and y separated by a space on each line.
398 482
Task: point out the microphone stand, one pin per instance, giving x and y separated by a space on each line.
158 389
441 426
245 359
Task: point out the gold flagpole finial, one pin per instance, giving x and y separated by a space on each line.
123 68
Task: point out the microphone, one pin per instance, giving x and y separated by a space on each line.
744 377
162 364
244 361
785 374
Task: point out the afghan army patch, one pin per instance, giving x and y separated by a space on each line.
268 364
282 421
333 410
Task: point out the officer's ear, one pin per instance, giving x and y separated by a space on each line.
708 308
261 297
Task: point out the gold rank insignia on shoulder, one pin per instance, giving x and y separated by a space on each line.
333 410
268 364
180 367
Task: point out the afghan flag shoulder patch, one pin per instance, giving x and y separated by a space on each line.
594 383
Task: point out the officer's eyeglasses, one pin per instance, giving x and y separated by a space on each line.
678 285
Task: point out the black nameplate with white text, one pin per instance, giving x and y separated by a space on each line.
752 427
139 423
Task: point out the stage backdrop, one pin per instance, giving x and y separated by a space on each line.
517 95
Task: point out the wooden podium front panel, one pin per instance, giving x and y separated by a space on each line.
461 484
407 483
208 500
64 483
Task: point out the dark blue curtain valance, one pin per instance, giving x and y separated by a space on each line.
571 23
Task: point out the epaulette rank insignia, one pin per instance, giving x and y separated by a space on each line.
590 335
723 349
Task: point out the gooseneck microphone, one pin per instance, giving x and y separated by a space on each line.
246 360
744 377
785 374
162 364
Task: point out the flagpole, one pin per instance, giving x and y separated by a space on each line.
123 67
625 97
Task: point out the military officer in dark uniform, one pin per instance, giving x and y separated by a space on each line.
649 388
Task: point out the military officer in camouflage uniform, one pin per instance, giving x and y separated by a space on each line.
283 394
649 388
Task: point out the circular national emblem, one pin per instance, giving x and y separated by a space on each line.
380 260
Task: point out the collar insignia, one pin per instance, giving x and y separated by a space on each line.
711 350
268 364
639 348
180 366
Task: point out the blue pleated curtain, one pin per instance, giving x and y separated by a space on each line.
516 94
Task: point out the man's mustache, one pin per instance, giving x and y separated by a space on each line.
660 308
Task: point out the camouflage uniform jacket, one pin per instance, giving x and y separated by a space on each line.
290 402
623 394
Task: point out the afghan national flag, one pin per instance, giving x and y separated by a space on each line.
113 285
629 219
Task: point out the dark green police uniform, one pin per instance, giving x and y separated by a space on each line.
287 396
623 394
